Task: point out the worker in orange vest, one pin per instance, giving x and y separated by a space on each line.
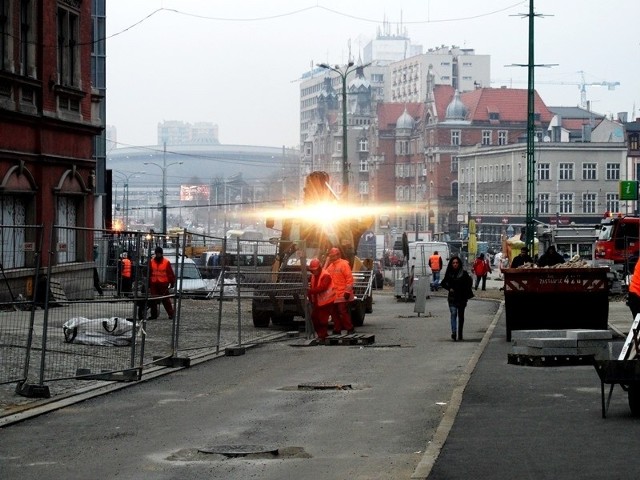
342 278
161 280
126 273
321 296
633 297
435 264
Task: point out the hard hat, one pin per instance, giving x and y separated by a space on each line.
334 251
314 264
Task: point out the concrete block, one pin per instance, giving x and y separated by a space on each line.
550 342
589 334
519 334
558 352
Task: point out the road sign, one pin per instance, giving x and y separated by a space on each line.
629 190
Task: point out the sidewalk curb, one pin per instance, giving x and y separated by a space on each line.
423 469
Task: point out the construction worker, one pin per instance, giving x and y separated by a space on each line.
161 280
126 276
321 295
435 263
342 278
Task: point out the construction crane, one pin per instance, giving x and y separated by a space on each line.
582 86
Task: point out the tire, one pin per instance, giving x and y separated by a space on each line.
260 319
358 311
369 304
634 399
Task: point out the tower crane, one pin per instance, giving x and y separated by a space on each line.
582 86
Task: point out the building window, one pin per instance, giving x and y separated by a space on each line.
544 171
5 35
565 171
494 116
338 148
363 188
486 137
68 58
454 190
402 147
565 203
13 213
307 150
634 141
589 171
613 173
363 145
503 137
543 203
588 203
613 202
455 137
454 164
364 165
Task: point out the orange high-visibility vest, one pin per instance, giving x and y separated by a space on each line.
326 297
342 277
434 262
126 268
634 286
159 271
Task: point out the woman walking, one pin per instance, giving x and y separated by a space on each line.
457 282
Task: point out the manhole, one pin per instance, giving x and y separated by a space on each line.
238 450
324 386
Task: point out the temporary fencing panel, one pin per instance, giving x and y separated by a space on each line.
20 255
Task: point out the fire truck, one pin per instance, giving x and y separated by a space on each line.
618 243
323 222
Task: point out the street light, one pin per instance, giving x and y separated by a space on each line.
125 194
344 72
164 167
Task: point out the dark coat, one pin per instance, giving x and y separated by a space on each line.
460 282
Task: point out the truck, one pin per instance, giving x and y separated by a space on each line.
618 244
323 222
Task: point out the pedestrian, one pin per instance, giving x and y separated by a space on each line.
521 258
342 278
457 282
550 258
497 263
321 296
162 278
633 297
481 268
435 263
96 275
126 274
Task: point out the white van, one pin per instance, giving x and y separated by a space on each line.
419 253
189 280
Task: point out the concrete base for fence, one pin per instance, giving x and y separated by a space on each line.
235 351
173 362
30 390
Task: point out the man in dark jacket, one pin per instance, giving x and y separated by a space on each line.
521 259
550 258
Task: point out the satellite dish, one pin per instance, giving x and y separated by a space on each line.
546 138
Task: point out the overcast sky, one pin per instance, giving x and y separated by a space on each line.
236 63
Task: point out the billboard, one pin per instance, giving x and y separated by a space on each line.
194 193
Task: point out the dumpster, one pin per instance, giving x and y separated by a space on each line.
556 298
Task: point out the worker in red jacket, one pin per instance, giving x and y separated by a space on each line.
342 278
161 280
321 295
481 267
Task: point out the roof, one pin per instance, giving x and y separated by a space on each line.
509 103
389 113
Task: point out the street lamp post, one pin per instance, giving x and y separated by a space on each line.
125 195
164 167
343 72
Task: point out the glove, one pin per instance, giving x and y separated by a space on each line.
347 295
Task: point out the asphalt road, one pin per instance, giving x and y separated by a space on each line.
372 413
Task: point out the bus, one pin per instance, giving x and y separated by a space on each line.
618 243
